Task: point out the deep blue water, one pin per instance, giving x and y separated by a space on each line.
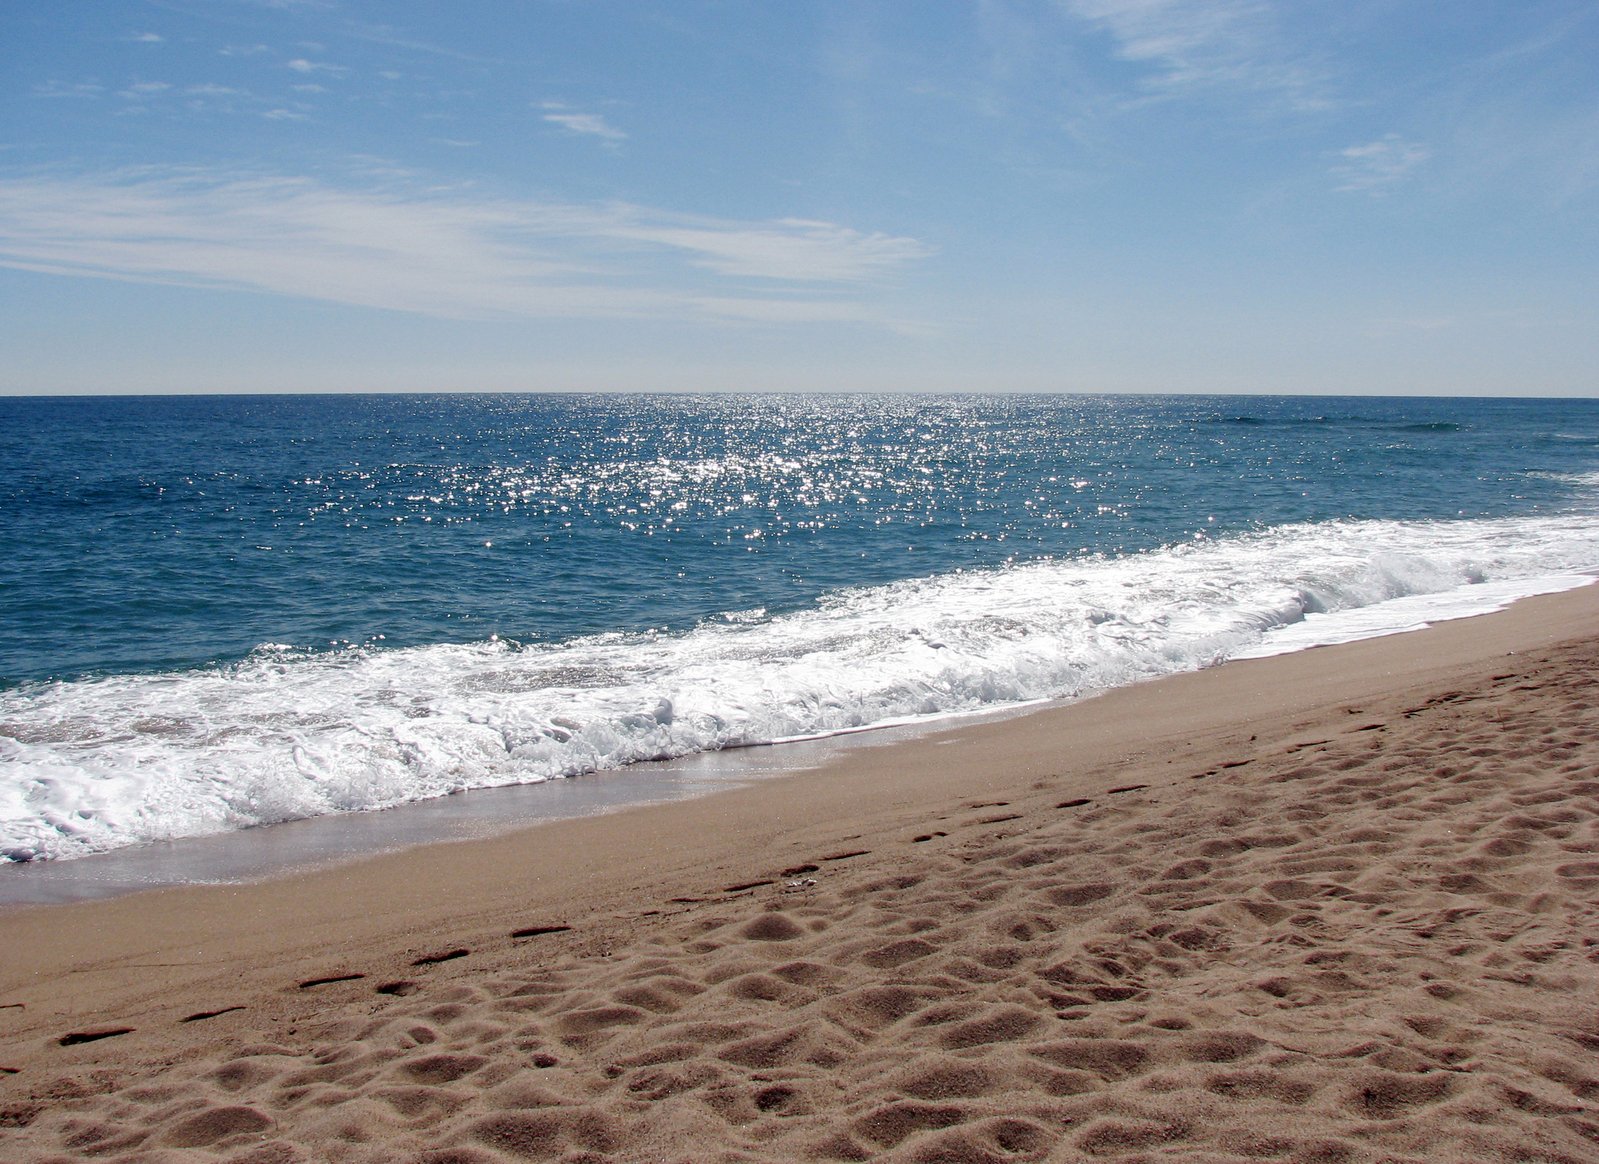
149 533
217 612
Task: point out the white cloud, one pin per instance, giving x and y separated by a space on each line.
789 248
440 254
1374 167
67 89
1203 44
142 89
386 35
301 65
591 124
284 115
148 38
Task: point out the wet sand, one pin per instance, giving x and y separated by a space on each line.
1341 905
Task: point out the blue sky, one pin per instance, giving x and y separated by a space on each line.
1362 196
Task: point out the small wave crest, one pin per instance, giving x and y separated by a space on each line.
96 764
1587 480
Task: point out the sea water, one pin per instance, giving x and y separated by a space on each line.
224 612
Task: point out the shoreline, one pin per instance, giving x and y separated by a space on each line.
294 847
200 974
302 845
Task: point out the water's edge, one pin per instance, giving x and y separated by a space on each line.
281 849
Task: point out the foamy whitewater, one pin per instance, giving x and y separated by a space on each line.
108 755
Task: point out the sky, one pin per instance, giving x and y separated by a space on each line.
1285 196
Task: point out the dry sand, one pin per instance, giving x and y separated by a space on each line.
1336 906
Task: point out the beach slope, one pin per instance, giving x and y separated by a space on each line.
1341 905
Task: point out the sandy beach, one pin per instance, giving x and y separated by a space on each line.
1341 905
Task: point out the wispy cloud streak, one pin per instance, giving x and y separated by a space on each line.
1375 166
440 254
1197 44
586 124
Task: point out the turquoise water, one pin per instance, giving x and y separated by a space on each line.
217 612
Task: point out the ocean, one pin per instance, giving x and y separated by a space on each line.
218 613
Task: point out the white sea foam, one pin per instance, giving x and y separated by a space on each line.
92 765
1587 480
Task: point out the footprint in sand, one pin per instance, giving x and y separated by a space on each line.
94 1036
445 956
539 931
743 886
329 980
208 1014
